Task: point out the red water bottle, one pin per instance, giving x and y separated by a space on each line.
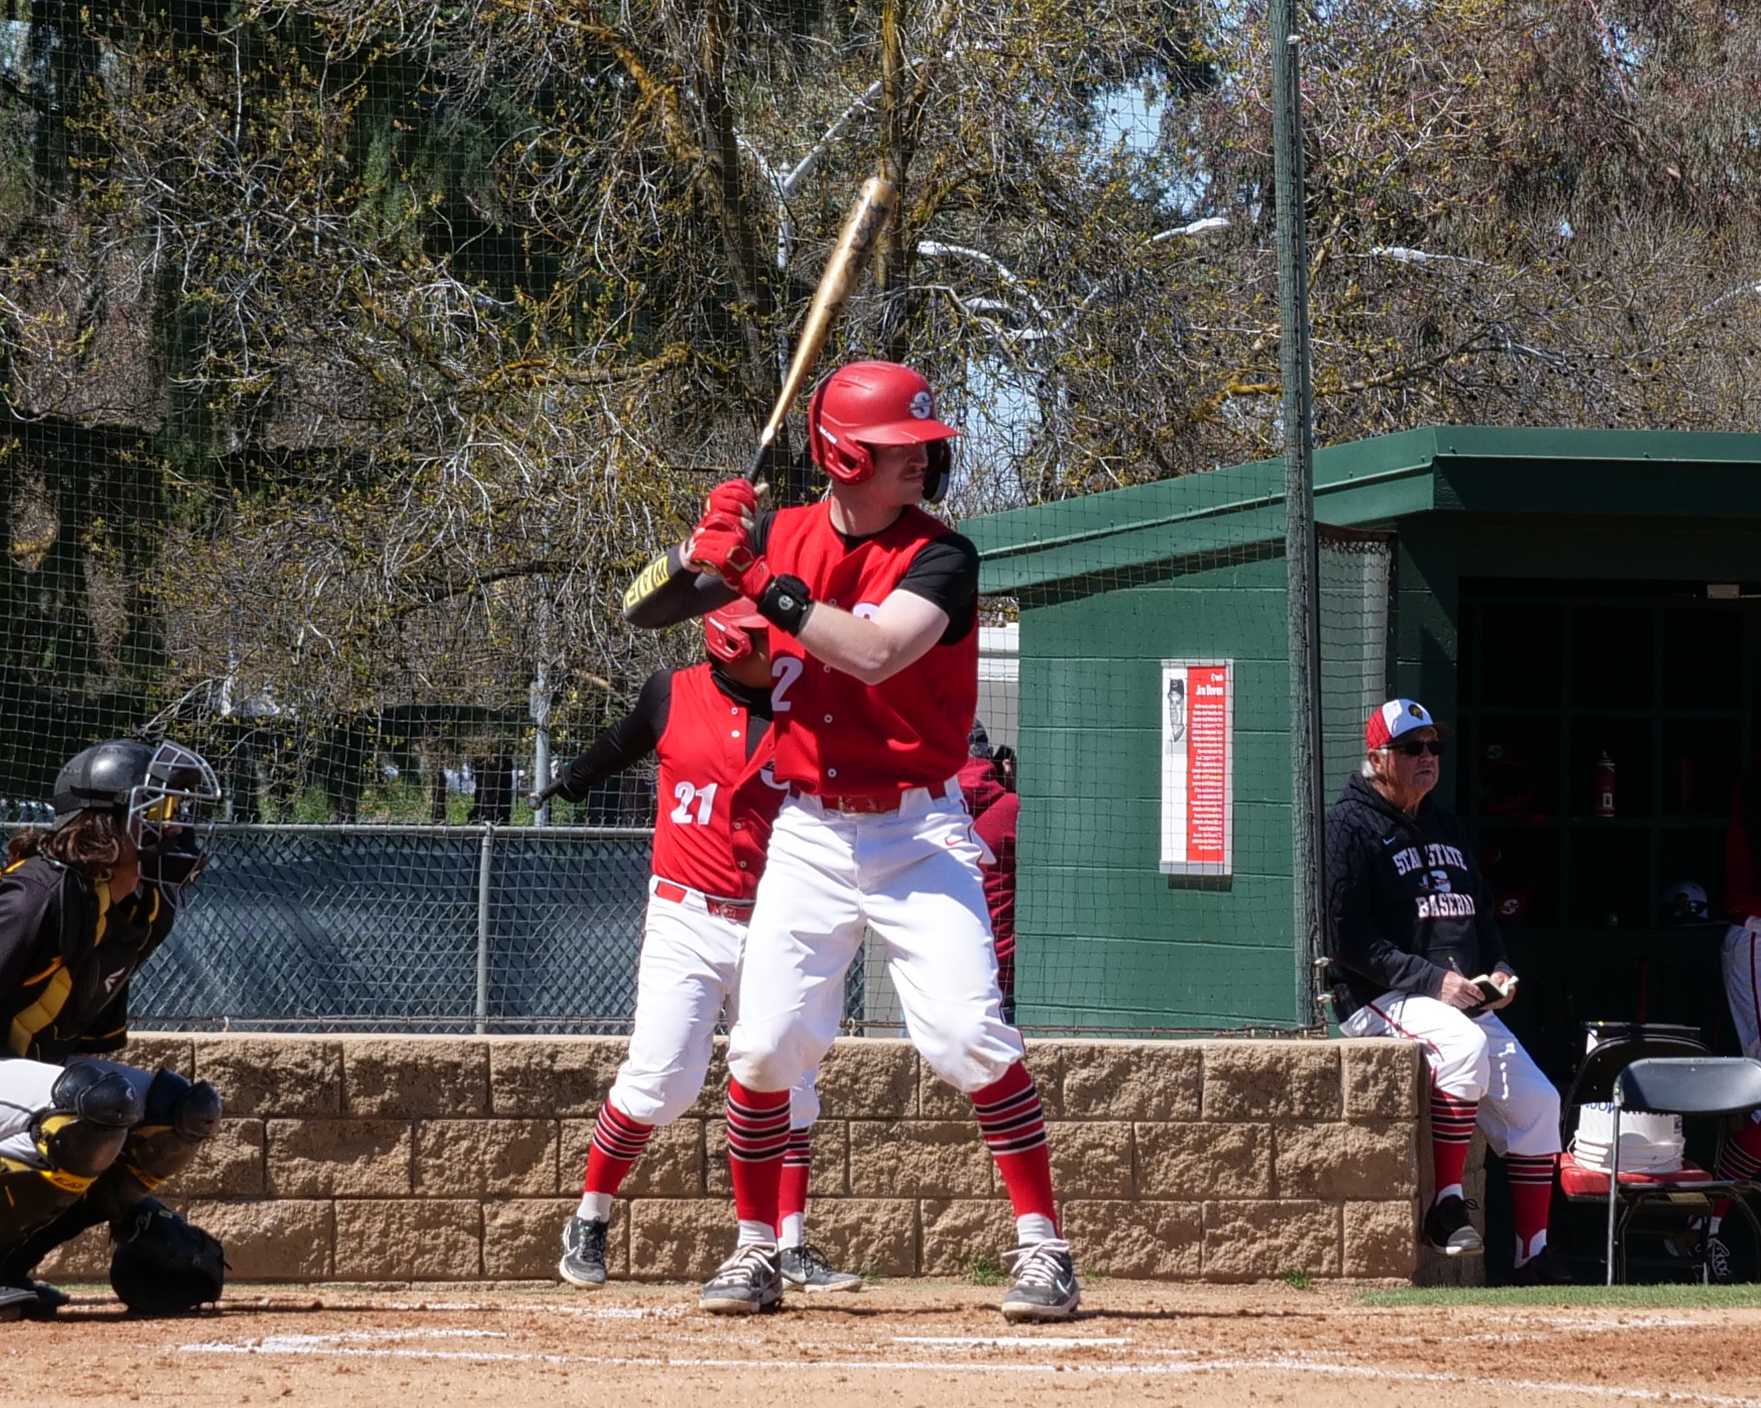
1604 790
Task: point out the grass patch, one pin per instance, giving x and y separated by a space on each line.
1610 1297
984 1270
1298 1280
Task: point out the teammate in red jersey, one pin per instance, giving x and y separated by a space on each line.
874 653
709 725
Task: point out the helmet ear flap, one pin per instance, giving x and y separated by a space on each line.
935 476
840 455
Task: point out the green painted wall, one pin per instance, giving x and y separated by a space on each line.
1105 939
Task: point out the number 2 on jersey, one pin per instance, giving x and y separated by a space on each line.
787 669
688 792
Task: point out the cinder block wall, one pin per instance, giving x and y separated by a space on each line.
457 1159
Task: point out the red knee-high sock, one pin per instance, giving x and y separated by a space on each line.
618 1141
797 1163
1014 1126
758 1132
1452 1132
1531 1198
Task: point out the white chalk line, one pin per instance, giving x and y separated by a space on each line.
1013 1341
303 1346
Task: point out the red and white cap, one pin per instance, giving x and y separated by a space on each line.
1395 719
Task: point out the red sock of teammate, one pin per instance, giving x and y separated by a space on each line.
1452 1132
1741 1155
1014 1126
758 1132
1531 1198
618 1141
792 1191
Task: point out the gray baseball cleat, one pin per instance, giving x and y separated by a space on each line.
583 1262
804 1269
16 1302
748 1282
1045 1283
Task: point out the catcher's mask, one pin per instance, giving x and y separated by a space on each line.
158 792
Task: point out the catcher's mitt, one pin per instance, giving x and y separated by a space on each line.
163 1265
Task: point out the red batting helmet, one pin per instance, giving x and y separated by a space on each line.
875 403
727 630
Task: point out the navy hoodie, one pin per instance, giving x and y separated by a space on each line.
1405 901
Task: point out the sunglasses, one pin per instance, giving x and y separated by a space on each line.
1433 746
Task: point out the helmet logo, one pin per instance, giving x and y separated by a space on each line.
923 405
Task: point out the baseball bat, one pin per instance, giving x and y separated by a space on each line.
871 211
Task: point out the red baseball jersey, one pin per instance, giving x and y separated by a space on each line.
835 734
996 827
715 805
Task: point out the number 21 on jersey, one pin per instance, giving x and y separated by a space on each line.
687 793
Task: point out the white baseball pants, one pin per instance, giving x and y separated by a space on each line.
1472 1058
690 968
912 876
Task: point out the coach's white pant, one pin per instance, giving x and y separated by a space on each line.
1472 1058
24 1092
690 967
1742 987
912 876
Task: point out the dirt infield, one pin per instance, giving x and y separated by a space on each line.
932 1343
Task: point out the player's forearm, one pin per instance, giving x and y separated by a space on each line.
667 591
853 644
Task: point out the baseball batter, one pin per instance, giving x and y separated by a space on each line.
1740 1156
709 725
1409 924
874 644
85 1140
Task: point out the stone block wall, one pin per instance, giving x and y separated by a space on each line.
457 1159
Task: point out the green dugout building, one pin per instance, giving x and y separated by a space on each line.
1583 607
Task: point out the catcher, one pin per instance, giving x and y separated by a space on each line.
83 1140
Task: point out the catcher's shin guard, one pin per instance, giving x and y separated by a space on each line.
75 1138
179 1116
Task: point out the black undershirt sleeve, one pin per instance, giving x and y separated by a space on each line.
628 741
945 574
669 592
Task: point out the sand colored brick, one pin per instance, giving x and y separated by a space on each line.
1381 1239
1261 1080
409 1239
485 1158
1191 1162
1245 1241
273 1075
956 1232
544 1077
1338 1160
231 1164
1090 1159
872 1236
417 1077
679 1239
1120 1080
339 1158
1383 1078
918 1159
284 1239
1155 1241
864 1079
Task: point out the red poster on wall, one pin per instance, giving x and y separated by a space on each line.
1197 767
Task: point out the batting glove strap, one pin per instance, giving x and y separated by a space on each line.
782 600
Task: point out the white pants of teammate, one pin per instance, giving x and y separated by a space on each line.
1472 1058
24 1092
912 876
689 969
1742 986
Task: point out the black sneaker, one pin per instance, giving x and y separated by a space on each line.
1544 1268
1718 1272
804 1269
583 1262
1449 1230
746 1283
1045 1283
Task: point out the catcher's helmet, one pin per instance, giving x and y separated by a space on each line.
156 790
727 632
876 403
1684 902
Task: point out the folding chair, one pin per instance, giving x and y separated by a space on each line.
1692 1085
1618 1045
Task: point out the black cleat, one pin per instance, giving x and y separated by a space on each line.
1449 1230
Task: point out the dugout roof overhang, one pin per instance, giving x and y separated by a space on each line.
1363 483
